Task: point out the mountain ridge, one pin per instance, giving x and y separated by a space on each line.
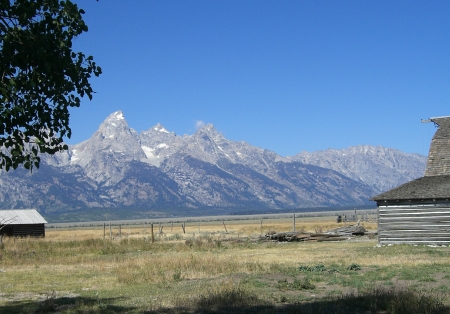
155 169
356 162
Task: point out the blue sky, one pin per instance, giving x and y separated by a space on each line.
284 75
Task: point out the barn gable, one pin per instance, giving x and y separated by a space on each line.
418 212
438 163
22 222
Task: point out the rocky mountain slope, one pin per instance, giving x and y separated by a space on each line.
158 170
381 168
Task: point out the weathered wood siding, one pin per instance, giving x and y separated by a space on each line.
31 230
414 224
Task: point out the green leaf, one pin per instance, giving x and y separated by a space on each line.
43 77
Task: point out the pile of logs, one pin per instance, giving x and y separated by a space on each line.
300 237
337 234
349 230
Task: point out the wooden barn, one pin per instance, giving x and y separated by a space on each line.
22 223
418 212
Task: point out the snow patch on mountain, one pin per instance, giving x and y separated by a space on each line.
118 115
149 152
160 128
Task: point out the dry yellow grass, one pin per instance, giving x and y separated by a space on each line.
238 228
81 262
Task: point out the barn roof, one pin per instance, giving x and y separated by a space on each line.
433 187
436 182
21 217
438 163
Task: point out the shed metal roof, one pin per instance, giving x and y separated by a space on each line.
431 187
21 217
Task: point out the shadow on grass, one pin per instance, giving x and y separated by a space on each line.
379 300
241 301
316 307
65 304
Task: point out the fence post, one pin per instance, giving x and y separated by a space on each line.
293 223
104 230
153 237
110 231
224 226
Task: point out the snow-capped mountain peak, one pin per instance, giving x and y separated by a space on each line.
115 118
157 169
210 131
114 125
160 128
118 115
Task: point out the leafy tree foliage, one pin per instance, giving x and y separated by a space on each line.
41 77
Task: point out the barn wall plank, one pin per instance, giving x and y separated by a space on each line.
414 224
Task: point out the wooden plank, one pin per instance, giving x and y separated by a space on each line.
409 235
423 212
302 237
414 234
416 217
399 212
412 230
323 235
425 215
412 207
380 230
424 218
412 210
422 239
332 239
445 231
293 233
410 227
415 242
416 223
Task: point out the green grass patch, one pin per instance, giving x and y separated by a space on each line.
296 284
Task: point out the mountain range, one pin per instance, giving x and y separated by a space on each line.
159 171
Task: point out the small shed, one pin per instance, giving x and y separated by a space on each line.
22 223
418 212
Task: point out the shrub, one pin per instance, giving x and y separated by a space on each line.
317 269
354 267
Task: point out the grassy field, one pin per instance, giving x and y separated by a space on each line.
208 270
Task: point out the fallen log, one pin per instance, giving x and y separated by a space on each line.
332 239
